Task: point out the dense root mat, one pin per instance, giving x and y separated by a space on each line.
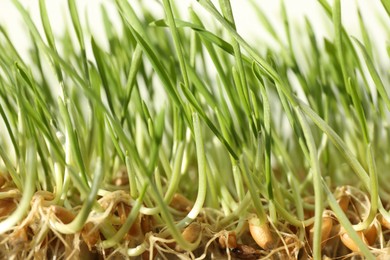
37 237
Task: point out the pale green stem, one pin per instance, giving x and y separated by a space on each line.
28 191
202 178
316 183
374 194
77 224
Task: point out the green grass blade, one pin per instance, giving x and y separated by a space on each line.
79 34
210 124
176 41
374 74
343 64
242 85
131 80
263 64
315 166
386 5
102 68
72 137
365 35
49 35
9 130
76 23
339 143
207 35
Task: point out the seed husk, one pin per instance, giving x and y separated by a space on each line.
348 242
371 234
261 233
90 234
191 232
147 255
146 223
2 180
245 252
63 214
344 201
121 181
19 237
384 222
123 211
135 229
228 240
327 224
181 203
7 206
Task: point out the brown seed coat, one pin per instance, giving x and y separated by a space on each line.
371 234
7 206
261 233
63 214
326 228
90 234
228 240
181 203
344 201
348 242
191 232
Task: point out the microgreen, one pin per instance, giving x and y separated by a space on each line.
181 137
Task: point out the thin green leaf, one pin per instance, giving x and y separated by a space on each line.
386 5
374 74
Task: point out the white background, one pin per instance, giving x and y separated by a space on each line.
247 22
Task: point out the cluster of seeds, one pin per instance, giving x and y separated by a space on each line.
36 235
